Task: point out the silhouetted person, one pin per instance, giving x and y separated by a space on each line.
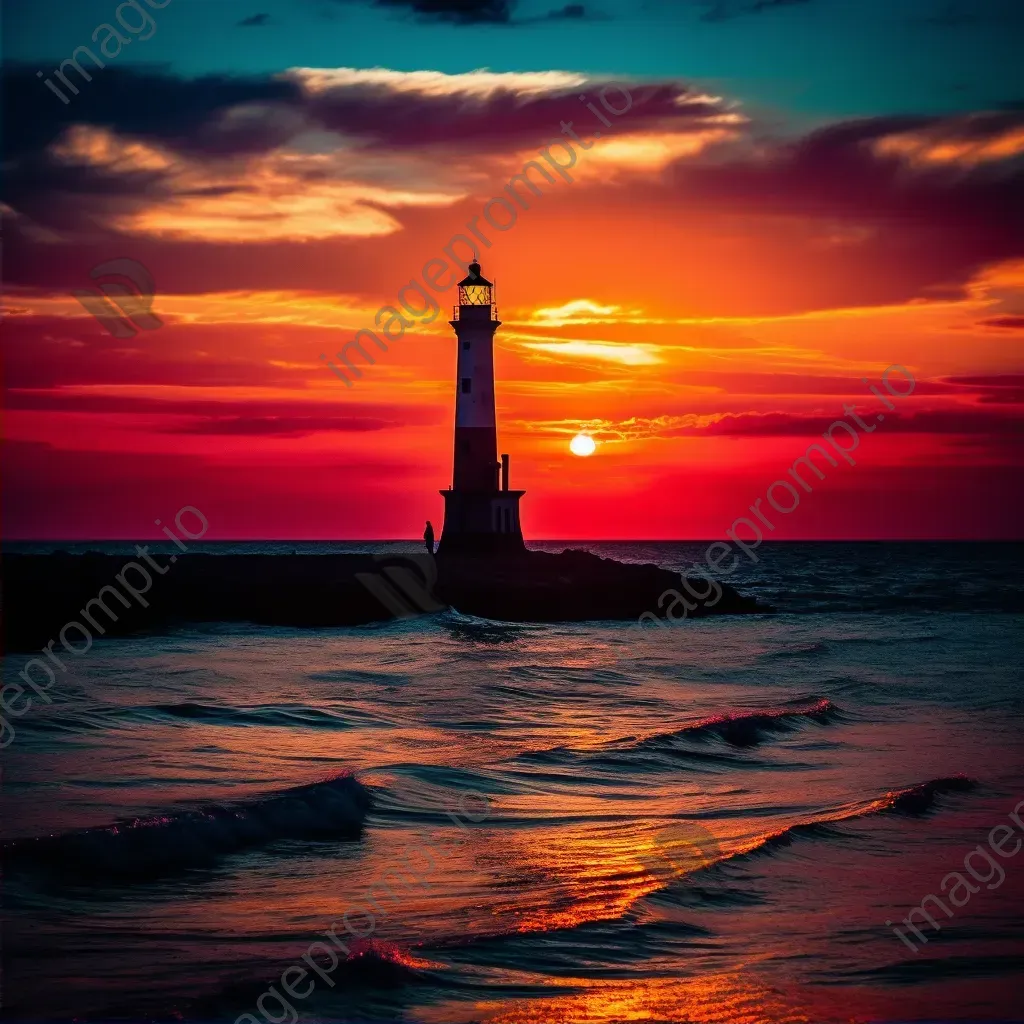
428 538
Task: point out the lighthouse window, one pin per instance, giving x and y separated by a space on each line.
466 385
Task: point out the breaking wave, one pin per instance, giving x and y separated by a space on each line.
919 799
145 848
750 728
913 800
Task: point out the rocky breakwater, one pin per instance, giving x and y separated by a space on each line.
574 586
78 599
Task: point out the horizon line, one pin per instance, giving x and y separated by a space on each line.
538 540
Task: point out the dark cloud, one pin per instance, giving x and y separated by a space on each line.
935 221
1006 323
919 223
481 12
766 5
569 11
505 120
283 426
220 119
191 115
146 103
725 10
995 380
254 21
463 12
373 416
995 389
242 417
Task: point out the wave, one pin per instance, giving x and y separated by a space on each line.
914 800
71 716
372 977
272 714
919 799
747 729
378 962
797 651
740 731
769 845
140 849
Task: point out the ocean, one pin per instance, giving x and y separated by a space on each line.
708 822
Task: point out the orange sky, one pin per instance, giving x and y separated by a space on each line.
702 298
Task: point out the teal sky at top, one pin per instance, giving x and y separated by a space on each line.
811 60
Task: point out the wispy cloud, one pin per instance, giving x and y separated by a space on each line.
967 141
627 354
578 311
953 421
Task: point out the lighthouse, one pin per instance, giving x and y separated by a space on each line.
481 513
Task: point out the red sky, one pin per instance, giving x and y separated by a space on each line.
703 298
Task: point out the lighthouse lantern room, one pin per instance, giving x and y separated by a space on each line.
481 513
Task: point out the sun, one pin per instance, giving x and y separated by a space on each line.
582 445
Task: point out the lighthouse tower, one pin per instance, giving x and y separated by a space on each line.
481 514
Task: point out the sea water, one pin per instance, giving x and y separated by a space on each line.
711 821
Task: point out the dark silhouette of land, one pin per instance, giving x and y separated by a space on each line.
44 592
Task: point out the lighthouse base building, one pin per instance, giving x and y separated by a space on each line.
481 523
481 513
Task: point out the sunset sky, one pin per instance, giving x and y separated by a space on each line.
803 193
